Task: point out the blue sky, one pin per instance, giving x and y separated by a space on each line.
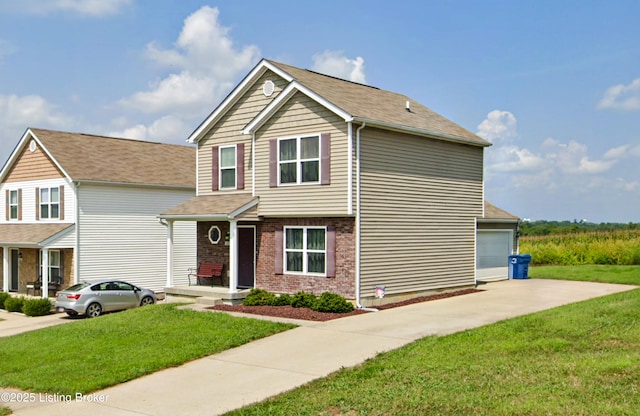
554 85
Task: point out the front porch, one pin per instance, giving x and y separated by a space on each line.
207 295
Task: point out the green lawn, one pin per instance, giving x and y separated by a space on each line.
93 354
592 273
579 359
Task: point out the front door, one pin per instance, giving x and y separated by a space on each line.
246 256
15 265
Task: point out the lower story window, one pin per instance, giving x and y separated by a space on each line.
305 250
54 265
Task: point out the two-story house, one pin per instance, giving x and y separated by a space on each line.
81 207
310 182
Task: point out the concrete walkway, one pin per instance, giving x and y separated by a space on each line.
16 323
281 362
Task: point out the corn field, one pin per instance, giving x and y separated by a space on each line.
620 248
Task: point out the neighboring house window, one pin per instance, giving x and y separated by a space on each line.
14 204
49 203
305 250
299 160
54 265
228 167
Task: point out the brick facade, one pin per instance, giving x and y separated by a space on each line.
343 283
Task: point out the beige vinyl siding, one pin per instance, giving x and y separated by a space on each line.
419 201
228 131
28 203
301 116
32 166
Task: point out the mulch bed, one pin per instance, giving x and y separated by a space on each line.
311 315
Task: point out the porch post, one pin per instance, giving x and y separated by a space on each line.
45 273
233 256
5 269
169 253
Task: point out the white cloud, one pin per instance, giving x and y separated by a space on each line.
622 97
29 111
93 8
499 126
334 63
166 129
205 66
616 152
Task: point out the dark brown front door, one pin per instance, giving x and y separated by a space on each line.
246 256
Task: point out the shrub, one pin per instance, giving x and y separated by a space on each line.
332 302
303 299
12 304
283 300
3 296
36 307
259 297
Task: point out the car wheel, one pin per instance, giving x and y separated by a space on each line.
93 310
147 300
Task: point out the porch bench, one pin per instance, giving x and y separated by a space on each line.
206 271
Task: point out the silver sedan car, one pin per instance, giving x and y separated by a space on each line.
92 299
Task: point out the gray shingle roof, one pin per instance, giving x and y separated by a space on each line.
493 212
107 159
29 233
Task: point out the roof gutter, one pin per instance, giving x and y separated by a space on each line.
420 132
146 185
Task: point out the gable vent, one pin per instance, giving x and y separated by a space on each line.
268 88
32 146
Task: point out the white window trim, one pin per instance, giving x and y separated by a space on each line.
299 160
304 250
51 266
221 168
16 205
214 227
49 203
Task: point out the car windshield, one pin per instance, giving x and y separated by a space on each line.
77 287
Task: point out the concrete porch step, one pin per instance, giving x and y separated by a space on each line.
209 301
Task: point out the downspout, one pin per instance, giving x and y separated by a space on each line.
357 262
76 249
253 164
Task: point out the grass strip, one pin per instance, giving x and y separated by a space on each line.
629 275
92 354
578 359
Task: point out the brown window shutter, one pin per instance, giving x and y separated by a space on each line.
214 168
325 158
61 203
331 251
37 204
7 204
240 165
19 204
273 163
279 247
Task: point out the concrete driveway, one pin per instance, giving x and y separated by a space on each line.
269 366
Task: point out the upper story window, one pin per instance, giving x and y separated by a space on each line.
14 205
49 203
228 167
299 160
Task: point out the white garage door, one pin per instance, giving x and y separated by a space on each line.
492 250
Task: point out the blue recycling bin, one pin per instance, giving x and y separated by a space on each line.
519 266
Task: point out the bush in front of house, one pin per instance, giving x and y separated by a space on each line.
3 296
332 302
12 304
37 307
283 300
303 299
259 297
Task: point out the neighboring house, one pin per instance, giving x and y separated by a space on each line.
310 182
497 239
86 208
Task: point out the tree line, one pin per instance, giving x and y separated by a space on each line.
542 227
